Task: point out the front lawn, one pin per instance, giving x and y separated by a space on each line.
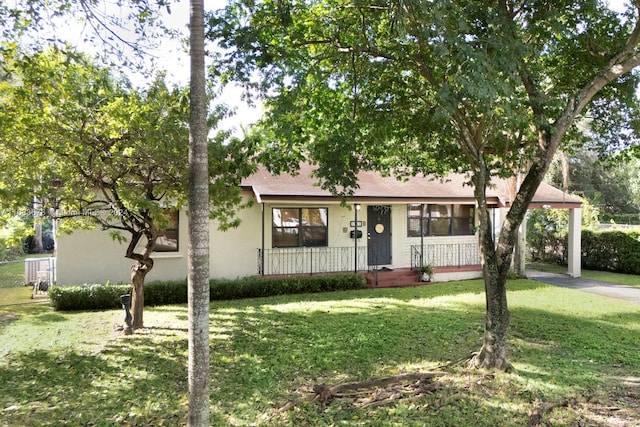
575 351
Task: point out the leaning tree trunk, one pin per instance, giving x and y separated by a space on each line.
139 270
496 257
496 260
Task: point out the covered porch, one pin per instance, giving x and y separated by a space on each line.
386 224
321 260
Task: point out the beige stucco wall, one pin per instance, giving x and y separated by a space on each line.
91 256
234 253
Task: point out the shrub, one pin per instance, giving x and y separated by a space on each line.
255 287
104 297
616 251
547 232
101 297
547 235
87 297
165 292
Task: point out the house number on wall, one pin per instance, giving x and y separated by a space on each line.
381 208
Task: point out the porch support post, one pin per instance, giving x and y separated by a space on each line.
421 236
262 243
521 246
356 208
575 244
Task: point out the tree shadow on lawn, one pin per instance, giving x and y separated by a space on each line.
265 352
284 346
559 357
430 290
10 314
264 349
128 383
578 344
47 318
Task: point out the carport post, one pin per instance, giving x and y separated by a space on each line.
355 235
575 247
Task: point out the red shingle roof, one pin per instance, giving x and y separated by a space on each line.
374 187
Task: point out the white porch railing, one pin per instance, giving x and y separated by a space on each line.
311 260
445 254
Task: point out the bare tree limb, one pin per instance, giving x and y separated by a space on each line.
381 391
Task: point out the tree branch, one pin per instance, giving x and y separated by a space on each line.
90 14
550 135
382 391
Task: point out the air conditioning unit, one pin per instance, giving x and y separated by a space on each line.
38 270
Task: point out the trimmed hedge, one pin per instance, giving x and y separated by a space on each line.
255 287
617 251
87 297
165 293
101 297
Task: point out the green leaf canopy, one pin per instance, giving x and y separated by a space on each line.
75 133
431 86
427 85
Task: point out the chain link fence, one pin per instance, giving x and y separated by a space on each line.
11 273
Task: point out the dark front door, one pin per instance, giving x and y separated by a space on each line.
379 234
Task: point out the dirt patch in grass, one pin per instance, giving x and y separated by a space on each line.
619 408
615 406
623 404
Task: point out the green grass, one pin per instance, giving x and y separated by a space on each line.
16 295
12 288
621 279
74 369
11 274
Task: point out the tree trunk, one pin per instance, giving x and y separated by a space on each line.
493 354
143 263
37 238
139 271
198 259
520 253
496 262
36 247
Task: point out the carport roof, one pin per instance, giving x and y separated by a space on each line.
375 188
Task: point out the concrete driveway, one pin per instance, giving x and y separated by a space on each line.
613 290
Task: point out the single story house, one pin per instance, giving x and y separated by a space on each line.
296 227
